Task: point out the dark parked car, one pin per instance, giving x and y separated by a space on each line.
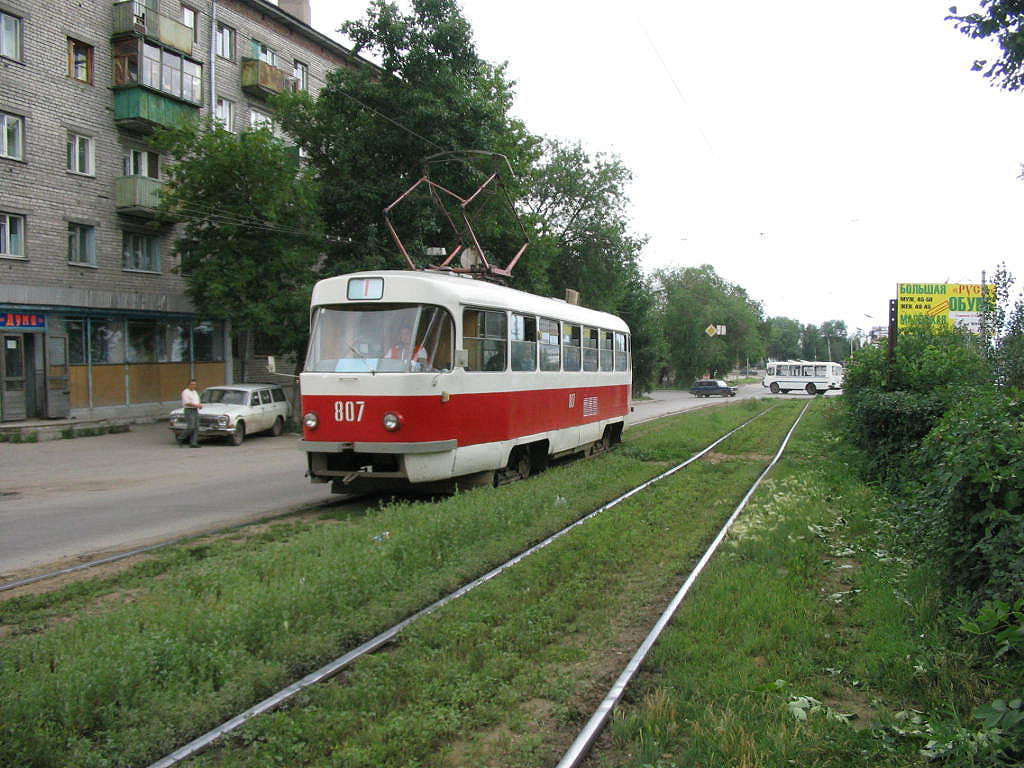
709 387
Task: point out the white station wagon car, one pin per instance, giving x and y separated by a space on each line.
236 410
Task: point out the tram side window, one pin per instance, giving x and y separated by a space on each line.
621 353
607 353
484 334
590 351
808 370
819 370
571 343
524 343
550 350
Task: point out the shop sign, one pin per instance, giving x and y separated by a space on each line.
943 304
22 320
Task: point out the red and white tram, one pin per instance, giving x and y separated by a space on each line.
417 378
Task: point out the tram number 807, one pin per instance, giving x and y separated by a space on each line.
349 410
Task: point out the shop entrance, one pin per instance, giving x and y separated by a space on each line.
15 387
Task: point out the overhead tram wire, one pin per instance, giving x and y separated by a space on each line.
679 91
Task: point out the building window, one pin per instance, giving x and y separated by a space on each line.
79 61
12 128
141 252
191 80
138 162
80 154
10 36
225 42
224 114
259 119
188 18
81 244
264 53
170 73
12 235
301 74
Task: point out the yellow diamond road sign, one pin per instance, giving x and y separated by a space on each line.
711 330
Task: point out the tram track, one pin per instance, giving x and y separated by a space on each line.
340 663
276 700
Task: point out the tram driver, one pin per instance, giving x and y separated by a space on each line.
403 350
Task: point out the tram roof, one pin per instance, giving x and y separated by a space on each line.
449 288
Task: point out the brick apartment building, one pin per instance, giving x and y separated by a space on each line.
94 321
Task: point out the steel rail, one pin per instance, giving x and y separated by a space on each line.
592 729
332 668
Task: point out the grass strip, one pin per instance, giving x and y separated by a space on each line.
811 641
120 671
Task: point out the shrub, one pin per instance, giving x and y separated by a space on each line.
970 509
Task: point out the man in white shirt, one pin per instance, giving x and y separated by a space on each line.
190 402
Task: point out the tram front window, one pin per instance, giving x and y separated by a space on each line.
380 339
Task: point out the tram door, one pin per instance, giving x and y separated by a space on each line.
12 378
58 378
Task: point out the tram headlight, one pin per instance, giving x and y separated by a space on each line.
392 422
310 420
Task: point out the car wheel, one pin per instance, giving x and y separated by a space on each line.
179 437
774 387
239 434
278 427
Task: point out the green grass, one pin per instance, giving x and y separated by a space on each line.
809 640
123 670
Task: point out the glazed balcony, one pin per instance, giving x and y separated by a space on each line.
262 79
137 19
137 195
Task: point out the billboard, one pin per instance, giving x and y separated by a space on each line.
951 304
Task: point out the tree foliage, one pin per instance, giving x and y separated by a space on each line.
251 231
368 130
1003 22
782 338
694 298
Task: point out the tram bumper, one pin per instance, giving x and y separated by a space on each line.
347 462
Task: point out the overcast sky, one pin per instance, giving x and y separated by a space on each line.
814 153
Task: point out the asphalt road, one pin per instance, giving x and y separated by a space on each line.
69 500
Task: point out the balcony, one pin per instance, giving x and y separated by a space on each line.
137 195
262 79
140 109
134 18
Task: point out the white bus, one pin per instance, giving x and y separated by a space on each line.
811 376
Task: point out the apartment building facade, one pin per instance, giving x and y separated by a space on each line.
94 320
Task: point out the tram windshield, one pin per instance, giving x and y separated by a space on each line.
380 338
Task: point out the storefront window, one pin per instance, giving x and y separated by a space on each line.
75 330
143 342
175 347
208 342
106 341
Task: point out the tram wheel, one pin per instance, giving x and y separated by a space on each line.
774 387
811 389
519 462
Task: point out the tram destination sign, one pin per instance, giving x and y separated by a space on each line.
944 304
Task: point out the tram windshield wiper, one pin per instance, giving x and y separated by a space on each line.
366 362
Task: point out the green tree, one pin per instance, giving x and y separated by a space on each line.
782 338
368 130
836 344
694 298
810 341
251 231
1003 21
